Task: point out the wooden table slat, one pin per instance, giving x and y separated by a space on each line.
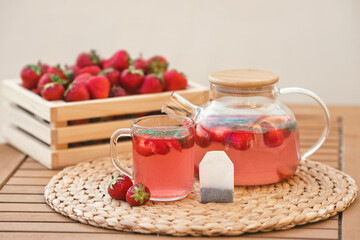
25 207
21 198
33 217
10 161
18 189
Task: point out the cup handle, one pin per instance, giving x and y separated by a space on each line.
122 132
326 130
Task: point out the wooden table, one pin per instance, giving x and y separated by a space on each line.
24 214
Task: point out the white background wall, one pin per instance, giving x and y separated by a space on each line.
313 44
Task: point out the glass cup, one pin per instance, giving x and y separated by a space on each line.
163 155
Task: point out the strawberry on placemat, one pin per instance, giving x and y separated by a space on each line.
138 194
119 186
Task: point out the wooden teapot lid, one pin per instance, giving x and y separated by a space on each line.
243 78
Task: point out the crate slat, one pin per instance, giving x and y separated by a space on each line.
28 144
85 132
25 120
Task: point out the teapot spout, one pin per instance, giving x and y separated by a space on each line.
179 106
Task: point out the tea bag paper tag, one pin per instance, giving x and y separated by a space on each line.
216 173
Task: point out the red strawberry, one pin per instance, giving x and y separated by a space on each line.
112 74
151 84
202 137
142 146
131 79
241 140
49 78
87 59
117 91
71 72
159 146
44 67
99 87
173 143
102 61
141 64
57 70
174 80
138 194
77 92
82 78
53 91
120 61
187 142
220 134
30 76
93 70
119 186
273 138
157 64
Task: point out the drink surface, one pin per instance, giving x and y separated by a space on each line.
264 149
164 161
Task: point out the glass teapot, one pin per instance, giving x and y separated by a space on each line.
245 119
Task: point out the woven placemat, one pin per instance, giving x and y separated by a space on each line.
314 193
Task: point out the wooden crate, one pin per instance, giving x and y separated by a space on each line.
41 128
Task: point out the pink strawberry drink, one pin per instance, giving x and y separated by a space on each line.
164 160
264 149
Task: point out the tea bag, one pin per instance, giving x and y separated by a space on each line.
216 173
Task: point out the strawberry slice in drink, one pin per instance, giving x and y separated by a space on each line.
273 138
159 146
241 140
173 143
220 134
187 142
202 137
142 146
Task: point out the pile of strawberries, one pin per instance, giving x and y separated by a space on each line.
122 188
95 78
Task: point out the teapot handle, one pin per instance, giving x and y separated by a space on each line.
326 130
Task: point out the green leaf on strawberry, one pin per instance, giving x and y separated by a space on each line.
114 180
36 69
57 79
138 194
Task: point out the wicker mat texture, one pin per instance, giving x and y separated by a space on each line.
314 193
